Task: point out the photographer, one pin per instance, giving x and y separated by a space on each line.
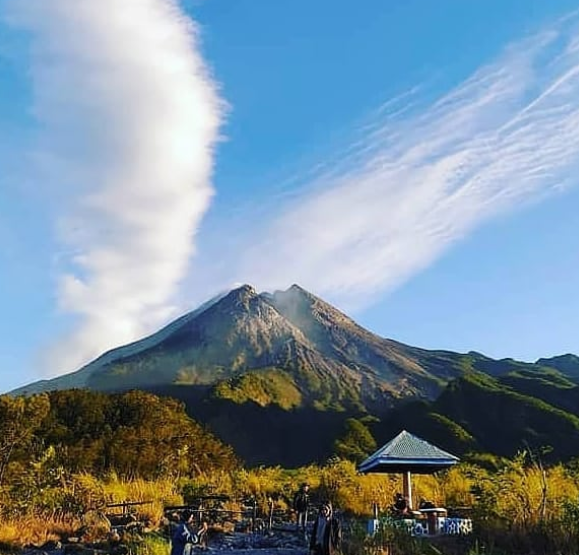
327 532
184 537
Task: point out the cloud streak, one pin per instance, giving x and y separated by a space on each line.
419 180
129 118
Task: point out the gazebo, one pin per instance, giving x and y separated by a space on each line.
408 454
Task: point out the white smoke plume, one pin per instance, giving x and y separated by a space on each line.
421 179
129 118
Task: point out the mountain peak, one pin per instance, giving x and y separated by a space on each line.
244 289
241 295
295 293
297 304
297 289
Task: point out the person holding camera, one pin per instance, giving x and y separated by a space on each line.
326 533
184 536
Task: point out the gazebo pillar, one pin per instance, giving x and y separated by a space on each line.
407 489
404 454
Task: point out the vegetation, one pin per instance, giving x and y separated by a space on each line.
65 455
521 507
357 442
310 372
266 387
500 415
47 437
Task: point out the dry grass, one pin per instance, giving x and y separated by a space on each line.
36 531
519 501
158 494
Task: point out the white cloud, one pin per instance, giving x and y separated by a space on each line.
421 180
129 118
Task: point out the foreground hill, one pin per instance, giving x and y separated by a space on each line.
132 434
293 361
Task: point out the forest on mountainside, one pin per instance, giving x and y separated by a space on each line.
297 363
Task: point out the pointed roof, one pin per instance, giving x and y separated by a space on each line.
408 453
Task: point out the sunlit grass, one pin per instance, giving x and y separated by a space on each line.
36 530
151 545
513 505
154 494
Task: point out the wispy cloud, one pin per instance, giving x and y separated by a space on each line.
418 181
129 118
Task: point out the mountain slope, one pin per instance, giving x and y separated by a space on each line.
567 364
277 376
478 412
321 355
289 349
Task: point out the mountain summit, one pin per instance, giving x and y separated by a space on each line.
314 354
279 375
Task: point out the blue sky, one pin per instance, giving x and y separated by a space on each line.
413 162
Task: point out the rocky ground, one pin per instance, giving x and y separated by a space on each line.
281 540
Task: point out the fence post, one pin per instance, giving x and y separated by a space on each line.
254 514
270 501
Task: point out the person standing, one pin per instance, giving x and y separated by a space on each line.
326 533
301 505
184 536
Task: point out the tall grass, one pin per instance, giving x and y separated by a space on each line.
155 495
518 507
36 530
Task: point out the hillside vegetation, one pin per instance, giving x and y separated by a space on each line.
304 368
65 454
133 434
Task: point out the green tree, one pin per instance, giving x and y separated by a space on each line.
135 434
356 443
19 419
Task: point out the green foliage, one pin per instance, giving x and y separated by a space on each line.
134 434
570 515
265 387
519 506
510 420
456 431
487 461
388 539
40 483
215 483
84 492
540 377
567 364
357 442
19 419
152 544
520 410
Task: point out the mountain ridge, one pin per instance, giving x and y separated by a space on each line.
258 330
279 375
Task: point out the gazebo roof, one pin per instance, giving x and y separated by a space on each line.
408 453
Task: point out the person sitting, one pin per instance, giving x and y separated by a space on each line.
400 507
424 504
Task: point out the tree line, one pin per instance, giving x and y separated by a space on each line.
133 434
